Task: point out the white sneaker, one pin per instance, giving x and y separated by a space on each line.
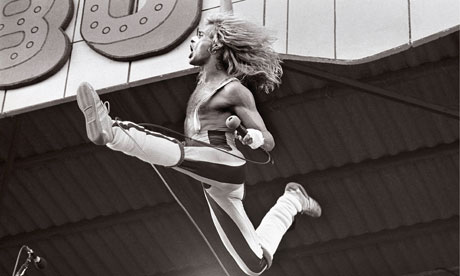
98 121
309 205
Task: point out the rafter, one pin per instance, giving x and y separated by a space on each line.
353 168
68 152
371 89
172 207
363 240
162 209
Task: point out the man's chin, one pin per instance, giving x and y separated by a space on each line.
194 62
190 59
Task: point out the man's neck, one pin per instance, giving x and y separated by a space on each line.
210 74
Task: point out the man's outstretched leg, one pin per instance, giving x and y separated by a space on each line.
252 249
277 221
127 137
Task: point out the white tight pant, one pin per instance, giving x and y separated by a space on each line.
252 249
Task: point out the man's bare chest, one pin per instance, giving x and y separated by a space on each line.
205 99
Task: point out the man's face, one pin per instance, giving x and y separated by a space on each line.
200 47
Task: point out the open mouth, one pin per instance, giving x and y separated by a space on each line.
191 52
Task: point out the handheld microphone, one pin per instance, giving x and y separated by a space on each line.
233 122
39 262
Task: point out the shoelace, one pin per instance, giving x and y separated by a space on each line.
106 104
310 202
103 107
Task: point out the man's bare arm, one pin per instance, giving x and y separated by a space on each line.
243 105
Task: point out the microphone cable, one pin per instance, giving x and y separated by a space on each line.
268 160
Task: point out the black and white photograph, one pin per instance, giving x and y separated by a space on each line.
229 137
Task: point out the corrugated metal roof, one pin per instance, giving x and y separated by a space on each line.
386 175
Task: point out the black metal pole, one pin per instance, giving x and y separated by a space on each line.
367 88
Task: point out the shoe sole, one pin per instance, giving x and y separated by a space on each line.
86 99
304 192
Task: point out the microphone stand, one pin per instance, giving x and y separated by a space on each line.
23 268
25 265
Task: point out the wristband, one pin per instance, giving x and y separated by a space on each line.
257 138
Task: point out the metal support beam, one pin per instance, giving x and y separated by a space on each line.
440 271
171 208
360 241
69 152
355 168
342 244
371 89
163 209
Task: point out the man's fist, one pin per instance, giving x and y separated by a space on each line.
254 138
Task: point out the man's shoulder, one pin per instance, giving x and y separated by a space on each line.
236 91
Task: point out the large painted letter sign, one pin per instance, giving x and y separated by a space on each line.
113 30
33 45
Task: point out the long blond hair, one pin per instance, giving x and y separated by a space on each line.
245 51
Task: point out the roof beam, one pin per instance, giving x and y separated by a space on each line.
363 240
338 244
268 106
162 209
354 168
440 271
68 152
359 241
172 207
371 89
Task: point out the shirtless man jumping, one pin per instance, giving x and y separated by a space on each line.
233 54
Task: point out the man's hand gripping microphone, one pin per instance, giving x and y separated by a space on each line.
251 137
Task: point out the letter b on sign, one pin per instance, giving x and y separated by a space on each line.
33 45
113 30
